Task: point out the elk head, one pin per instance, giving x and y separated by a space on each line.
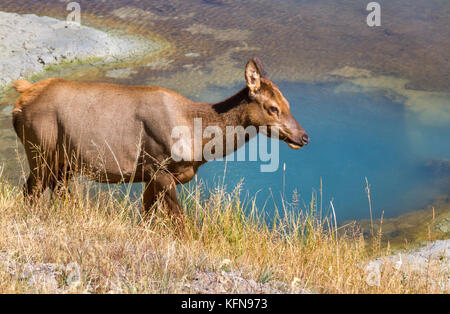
270 108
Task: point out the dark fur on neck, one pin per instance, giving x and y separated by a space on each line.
233 111
229 112
238 99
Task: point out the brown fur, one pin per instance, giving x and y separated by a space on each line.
29 92
22 85
123 133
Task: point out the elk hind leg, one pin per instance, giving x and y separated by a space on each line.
41 176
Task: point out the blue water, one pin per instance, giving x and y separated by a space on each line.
354 135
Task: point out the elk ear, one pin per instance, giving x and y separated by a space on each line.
253 76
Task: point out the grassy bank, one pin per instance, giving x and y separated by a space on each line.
97 242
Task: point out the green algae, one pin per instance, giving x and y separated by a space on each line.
412 229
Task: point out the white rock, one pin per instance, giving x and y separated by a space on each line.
29 42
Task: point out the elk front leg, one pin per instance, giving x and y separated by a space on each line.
161 191
64 174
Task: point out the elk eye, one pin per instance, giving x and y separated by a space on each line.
274 109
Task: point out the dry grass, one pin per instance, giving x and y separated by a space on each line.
117 252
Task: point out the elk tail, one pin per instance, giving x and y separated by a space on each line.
22 85
17 120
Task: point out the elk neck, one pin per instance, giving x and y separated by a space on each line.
232 111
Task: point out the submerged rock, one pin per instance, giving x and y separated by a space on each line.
350 72
443 225
439 167
121 73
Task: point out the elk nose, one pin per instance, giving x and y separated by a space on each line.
305 139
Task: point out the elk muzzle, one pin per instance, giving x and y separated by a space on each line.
294 134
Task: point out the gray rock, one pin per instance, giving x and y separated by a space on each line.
234 282
28 43
192 54
435 255
443 225
73 271
43 277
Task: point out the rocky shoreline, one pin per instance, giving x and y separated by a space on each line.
435 256
30 43
54 278
413 229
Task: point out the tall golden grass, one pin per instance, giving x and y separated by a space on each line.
103 232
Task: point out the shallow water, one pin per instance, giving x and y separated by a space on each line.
367 124
354 135
297 39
